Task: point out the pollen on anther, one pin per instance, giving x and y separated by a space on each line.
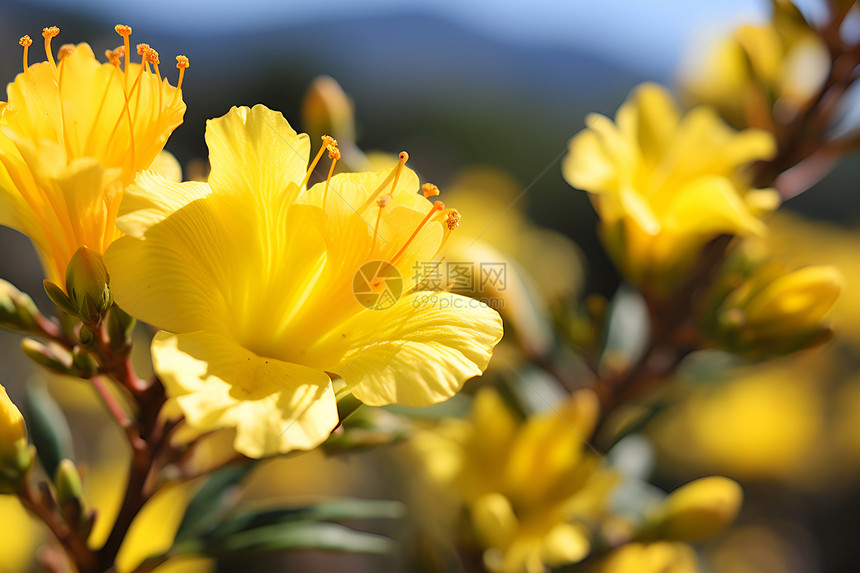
152 57
25 41
64 51
114 56
181 62
123 30
142 49
50 32
334 153
453 220
329 141
429 190
383 201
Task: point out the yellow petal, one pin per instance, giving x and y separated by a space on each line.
152 198
565 543
255 152
171 278
416 353
494 520
274 406
650 118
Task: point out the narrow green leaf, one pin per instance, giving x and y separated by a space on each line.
333 510
300 535
210 500
49 430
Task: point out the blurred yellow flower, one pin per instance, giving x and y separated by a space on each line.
762 309
253 276
664 184
534 490
658 557
802 242
779 64
20 535
762 422
72 134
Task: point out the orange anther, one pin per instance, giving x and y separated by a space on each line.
25 41
50 32
123 30
453 220
383 201
64 51
429 190
181 62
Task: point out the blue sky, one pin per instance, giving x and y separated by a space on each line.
649 35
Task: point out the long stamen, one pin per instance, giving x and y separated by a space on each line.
152 58
26 42
181 63
403 158
49 33
66 139
437 206
381 203
125 32
334 155
328 141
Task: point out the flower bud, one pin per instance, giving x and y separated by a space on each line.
15 457
761 309
699 509
54 358
17 310
327 109
87 285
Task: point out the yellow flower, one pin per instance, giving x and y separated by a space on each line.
72 134
779 64
534 489
664 184
659 557
263 287
14 456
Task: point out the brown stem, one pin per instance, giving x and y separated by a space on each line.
807 131
67 536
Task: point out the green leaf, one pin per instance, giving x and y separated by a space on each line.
294 536
332 510
49 430
59 298
210 501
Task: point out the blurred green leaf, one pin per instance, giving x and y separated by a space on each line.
332 510
210 500
292 535
49 430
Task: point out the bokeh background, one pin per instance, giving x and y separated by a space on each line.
463 84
